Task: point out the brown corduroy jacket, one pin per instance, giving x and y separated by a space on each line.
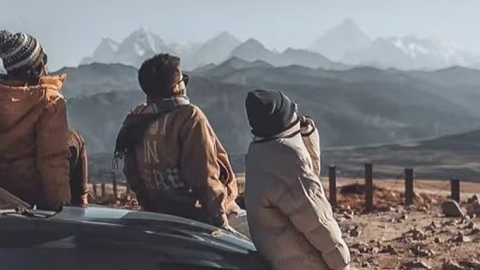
181 168
33 142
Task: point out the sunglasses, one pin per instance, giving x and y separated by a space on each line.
185 79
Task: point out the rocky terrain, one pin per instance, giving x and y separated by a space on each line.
433 233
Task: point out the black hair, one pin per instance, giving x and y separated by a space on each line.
30 75
157 75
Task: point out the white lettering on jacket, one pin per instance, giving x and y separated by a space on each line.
150 150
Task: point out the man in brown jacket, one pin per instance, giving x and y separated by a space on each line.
33 125
174 161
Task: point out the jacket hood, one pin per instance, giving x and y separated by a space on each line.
292 131
50 80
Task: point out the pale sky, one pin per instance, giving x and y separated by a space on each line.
70 30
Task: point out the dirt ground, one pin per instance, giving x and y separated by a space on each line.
394 236
397 237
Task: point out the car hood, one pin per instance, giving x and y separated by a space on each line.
156 224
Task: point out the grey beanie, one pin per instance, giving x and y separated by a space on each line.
19 51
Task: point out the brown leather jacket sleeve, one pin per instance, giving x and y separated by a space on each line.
52 155
136 183
131 172
200 168
83 167
78 169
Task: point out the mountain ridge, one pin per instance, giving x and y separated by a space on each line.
354 107
141 45
340 47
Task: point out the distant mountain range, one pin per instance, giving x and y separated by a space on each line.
141 45
343 46
340 40
356 107
88 80
409 52
454 156
348 44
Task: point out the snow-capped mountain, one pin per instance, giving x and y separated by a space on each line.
348 44
105 52
141 45
137 47
409 52
342 46
340 40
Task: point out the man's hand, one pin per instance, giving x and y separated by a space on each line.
232 230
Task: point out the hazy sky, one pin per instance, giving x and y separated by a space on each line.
71 30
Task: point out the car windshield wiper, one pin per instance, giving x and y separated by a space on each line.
12 200
28 212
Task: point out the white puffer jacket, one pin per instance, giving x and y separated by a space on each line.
291 221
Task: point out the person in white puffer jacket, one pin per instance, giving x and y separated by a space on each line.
291 221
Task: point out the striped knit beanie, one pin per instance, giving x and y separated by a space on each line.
19 51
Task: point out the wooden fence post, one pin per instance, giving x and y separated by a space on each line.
333 186
369 187
409 193
455 188
102 190
128 188
94 190
114 183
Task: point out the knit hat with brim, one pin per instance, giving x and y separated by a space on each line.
269 112
20 51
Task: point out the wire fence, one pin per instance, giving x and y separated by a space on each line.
426 194
110 185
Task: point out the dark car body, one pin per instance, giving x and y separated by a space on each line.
107 238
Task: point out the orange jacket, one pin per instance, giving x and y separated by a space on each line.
33 142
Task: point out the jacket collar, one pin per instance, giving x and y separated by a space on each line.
56 80
290 132
51 80
167 104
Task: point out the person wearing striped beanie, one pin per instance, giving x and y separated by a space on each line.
22 55
34 157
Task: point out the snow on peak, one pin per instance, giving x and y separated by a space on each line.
110 43
142 42
410 52
340 40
